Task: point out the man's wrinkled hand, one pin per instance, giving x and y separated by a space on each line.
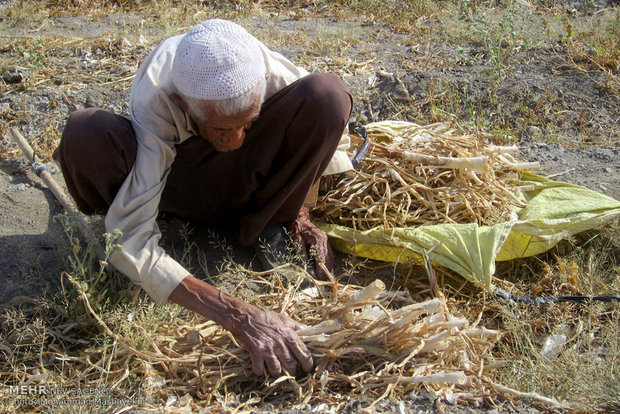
272 342
314 242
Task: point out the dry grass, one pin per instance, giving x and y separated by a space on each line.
593 49
67 64
367 343
100 333
586 368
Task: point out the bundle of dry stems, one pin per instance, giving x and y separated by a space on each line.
416 175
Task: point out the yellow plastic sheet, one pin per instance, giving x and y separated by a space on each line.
554 211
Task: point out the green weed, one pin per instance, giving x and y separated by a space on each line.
23 12
504 40
590 45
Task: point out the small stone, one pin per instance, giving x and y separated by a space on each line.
533 131
13 76
608 170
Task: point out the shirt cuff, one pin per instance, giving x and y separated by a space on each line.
162 279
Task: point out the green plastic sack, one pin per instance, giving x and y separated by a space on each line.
554 211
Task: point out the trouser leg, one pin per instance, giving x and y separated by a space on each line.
96 153
266 180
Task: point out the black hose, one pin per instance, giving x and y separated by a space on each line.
505 295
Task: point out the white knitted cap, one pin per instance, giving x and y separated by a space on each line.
217 59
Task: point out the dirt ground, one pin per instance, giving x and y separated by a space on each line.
390 76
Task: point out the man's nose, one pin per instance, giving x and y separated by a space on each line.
236 138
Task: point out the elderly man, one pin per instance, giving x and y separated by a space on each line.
222 129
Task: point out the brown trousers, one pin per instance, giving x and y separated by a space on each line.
265 181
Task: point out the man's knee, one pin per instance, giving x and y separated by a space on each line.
79 119
329 97
96 152
98 133
90 125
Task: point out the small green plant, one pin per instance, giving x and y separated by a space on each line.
504 41
24 12
591 47
35 57
104 286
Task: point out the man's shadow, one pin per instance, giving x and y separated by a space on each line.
208 252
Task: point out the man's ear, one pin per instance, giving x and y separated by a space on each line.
179 101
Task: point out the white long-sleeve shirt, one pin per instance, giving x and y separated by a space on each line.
159 125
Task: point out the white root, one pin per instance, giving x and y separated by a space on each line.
430 306
368 293
531 396
452 323
512 149
482 333
325 327
308 338
457 377
439 128
477 164
519 165
524 165
437 346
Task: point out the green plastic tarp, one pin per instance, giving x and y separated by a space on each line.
554 211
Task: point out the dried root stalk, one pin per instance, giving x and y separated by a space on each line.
364 341
415 175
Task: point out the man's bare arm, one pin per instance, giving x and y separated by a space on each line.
269 337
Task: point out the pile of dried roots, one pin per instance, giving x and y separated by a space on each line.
365 342
415 175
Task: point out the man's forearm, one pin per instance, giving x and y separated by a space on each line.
200 297
269 337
